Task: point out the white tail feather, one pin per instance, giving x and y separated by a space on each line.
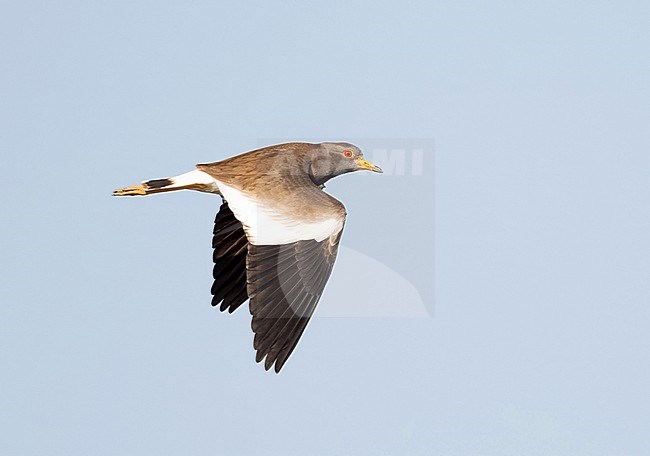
194 180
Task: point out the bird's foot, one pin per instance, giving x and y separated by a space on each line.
133 190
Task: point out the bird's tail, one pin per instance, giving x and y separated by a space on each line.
194 180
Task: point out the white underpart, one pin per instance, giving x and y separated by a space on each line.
193 178
263 226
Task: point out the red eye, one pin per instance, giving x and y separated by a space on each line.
348 153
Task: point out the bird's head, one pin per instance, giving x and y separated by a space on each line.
333 159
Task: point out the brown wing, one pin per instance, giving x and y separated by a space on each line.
285 283
230 247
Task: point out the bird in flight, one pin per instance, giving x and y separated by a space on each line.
275 236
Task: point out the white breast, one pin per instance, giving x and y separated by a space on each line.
266 226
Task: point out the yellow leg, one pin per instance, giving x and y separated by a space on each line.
133 190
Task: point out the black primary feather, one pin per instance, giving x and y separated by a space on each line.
230 248
285 283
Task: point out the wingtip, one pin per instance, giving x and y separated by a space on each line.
259 356
269 362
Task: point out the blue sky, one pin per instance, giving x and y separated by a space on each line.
525 237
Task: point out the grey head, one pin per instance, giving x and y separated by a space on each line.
331 159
